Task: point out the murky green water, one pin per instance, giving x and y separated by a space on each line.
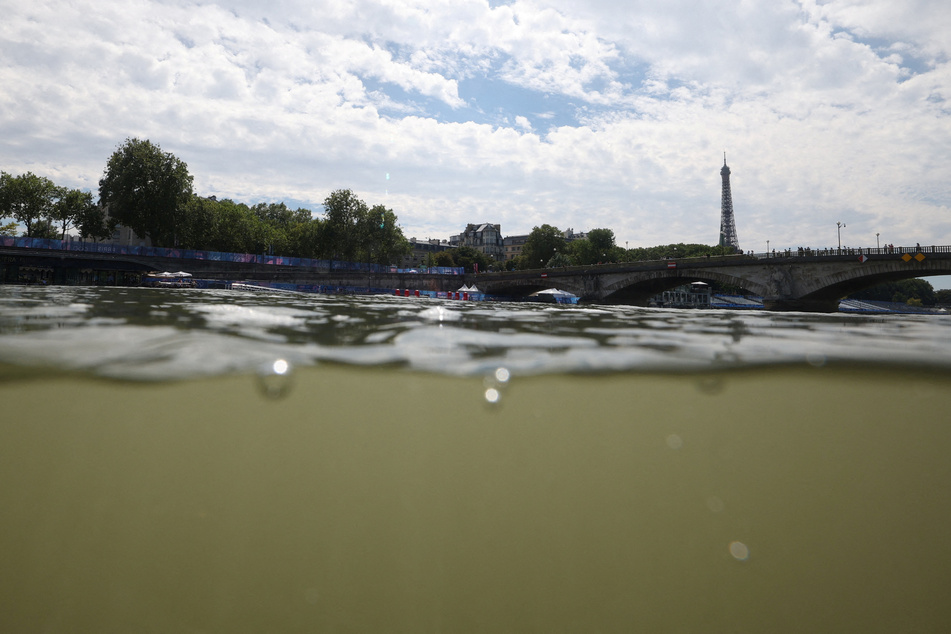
640 470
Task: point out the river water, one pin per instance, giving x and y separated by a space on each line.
218 461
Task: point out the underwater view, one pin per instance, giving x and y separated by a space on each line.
186 460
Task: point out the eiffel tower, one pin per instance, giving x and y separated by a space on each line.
727 225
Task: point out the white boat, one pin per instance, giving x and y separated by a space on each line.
165 279
554 296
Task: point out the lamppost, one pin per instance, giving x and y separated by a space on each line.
767 248
877 243
839 226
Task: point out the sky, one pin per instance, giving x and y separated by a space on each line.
581 114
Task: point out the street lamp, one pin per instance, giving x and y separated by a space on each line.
877 243
767 248
839 226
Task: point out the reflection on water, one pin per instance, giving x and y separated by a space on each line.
539 468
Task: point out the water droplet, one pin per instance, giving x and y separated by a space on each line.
492 396
674 441
274 379
740 551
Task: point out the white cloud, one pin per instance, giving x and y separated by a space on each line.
587 115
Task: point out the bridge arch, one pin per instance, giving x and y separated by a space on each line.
638 288
839 284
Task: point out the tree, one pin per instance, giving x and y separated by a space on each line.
900 291
93 222
542 243
381 240
147 190
442 258
200 223
466 257
305 238
558 260
601 239
343 211
679 250
43 228
942 296
72 207
29 199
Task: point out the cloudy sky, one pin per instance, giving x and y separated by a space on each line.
576 113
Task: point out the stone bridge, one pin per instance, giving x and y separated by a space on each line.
810 281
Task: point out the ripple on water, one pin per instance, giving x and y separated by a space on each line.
156 334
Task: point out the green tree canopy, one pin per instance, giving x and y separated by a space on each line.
442 258
72 208
597 247
29 199
381 239
900 291
147 190
92 222
679 250
542 243
305 238
466 257
343 211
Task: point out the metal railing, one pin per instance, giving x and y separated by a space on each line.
801 252
214 256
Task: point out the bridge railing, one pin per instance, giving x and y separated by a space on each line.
215 256
835 251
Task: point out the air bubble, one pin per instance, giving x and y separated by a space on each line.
274 379
502 375
498 378
740 551
494 383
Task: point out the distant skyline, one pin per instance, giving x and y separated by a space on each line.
579 114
